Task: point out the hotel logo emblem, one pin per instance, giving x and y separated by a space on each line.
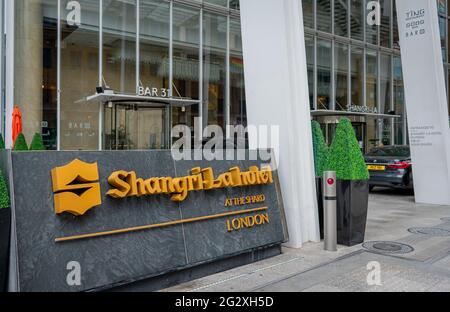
76 187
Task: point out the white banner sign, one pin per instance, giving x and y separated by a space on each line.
426 100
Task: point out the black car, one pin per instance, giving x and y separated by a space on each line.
390 166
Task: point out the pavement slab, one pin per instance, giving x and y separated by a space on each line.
311 269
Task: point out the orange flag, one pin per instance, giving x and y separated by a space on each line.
16 123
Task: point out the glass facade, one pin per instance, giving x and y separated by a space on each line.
193 48
65 49
353 65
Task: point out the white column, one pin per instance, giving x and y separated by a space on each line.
276 85
426 100
9 71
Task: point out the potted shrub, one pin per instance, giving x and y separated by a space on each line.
2 142
21 144
5 224
320 157
345 157
37 144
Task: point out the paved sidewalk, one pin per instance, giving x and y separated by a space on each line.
391 214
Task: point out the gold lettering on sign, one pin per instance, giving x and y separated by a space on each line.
127 184
247 222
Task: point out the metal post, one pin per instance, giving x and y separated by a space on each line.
329 207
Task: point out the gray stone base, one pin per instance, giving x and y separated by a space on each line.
186 275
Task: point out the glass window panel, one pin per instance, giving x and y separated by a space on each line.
214 68
357 19
119 45
308 13
357 76
186 62
323 74
386 135
154 43
396 39
385 27
371 78
238 115
341 18
341 76
399 101
324 15
217 2
371 30
234 4
443 35
79 77
309 41
385 83
35 70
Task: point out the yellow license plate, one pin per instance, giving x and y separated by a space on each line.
376 168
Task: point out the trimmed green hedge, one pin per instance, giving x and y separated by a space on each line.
2 142
21 143
37 144
320 148
4 194
345 156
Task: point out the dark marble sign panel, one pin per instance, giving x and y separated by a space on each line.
122 258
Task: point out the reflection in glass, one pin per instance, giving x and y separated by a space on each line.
154 44
357 76
395 39
309 42
341 75
323 74
217 2
385 83
357 19
371 30
324 15
35 69
119 45
214 68
238 115
79 77
308 13
186 66
341 18
385 27
371 78
399 101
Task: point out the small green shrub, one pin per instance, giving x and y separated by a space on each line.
2 142
37 144
21 143
320 149
4 194
345 156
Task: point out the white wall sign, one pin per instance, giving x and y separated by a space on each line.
154 92
74 15
275 59
426 100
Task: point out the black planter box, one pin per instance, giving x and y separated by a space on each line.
5 226
319 193
352 204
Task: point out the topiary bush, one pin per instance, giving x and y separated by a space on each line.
21 143
320 149
345 156
4 194
2 142
37 144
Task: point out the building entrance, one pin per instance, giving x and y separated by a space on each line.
135 126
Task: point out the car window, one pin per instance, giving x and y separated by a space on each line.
393 151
